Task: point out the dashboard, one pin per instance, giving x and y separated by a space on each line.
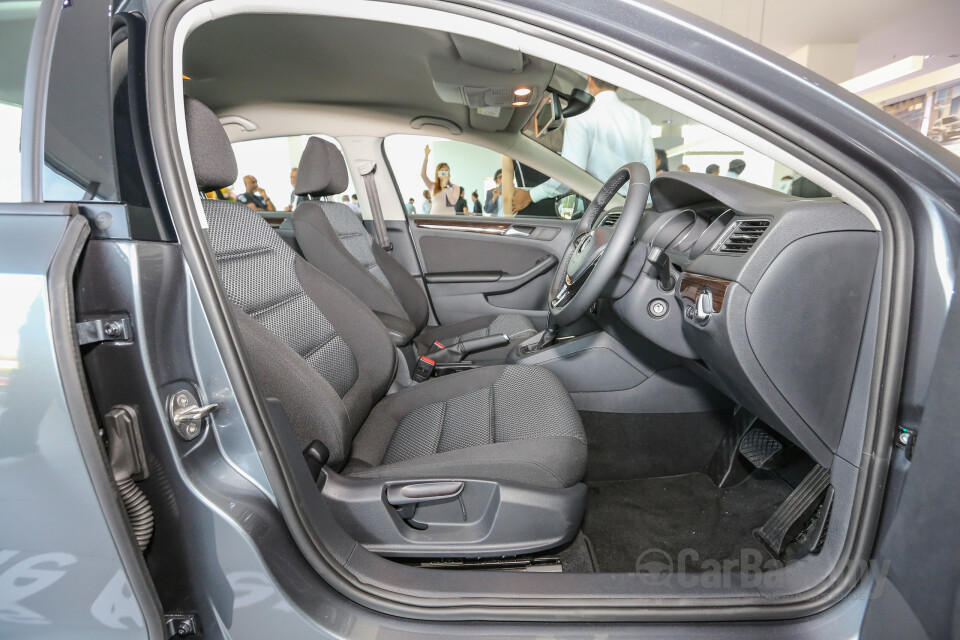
767 298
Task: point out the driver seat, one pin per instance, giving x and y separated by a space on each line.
509 436
334 240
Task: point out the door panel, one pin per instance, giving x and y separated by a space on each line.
485 266
917 562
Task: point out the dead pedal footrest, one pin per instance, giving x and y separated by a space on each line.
760 448
796 507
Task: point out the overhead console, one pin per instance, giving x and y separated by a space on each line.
769 298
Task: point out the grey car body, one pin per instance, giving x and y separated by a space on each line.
225 557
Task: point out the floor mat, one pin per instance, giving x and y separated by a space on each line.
620 444
627 520
578 556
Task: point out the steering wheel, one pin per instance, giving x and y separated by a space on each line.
596 252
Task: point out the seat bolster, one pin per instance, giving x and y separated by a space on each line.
553 463
324 250
366 336
411 294
314 409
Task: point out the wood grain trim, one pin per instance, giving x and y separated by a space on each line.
691 284
470 226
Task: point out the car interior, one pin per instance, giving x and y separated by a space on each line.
673 379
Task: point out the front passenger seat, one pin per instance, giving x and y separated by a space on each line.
334 240
496 432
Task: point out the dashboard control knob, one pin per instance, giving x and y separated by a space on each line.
658 308
704 308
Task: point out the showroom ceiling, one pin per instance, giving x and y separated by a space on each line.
884 30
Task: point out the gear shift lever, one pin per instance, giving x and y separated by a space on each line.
549 337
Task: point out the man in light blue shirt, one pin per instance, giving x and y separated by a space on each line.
609 135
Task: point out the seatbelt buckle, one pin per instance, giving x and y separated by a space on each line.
424 369
436 346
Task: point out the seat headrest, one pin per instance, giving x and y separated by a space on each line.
322 170
214 164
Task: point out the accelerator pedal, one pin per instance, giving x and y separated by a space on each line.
761 449
790 518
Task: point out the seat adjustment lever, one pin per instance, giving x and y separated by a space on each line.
406 497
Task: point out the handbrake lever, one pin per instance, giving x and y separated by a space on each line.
457 352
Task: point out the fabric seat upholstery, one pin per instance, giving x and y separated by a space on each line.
471 427
333 239
314 345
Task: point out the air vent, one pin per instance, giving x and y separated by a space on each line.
744 235
610 219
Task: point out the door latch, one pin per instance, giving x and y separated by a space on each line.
186 414
905 439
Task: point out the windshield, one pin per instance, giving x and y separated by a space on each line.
622 127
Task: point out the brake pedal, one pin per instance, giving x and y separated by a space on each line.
791 516
761 449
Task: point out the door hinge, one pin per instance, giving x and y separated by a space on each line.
104 329
905 439
181 625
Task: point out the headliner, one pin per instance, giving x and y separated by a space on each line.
295 59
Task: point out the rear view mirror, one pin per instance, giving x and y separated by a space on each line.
549 116
578 101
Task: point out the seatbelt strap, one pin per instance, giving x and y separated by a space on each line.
368 170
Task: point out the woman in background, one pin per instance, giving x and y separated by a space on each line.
444 194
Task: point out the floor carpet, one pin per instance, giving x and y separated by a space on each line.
626 518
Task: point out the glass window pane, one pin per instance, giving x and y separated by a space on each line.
78 155
17 20
622 127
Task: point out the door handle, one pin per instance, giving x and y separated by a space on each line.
518 231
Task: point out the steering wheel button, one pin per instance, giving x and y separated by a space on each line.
658 308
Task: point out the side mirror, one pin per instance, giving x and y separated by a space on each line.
570 206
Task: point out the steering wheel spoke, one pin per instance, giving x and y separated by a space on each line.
596 252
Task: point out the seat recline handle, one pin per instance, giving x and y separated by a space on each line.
401 494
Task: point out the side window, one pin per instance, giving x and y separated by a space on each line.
17 20
78 155
448 177
266 177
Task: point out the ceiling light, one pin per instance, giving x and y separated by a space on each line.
520 103
521 92
884 74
